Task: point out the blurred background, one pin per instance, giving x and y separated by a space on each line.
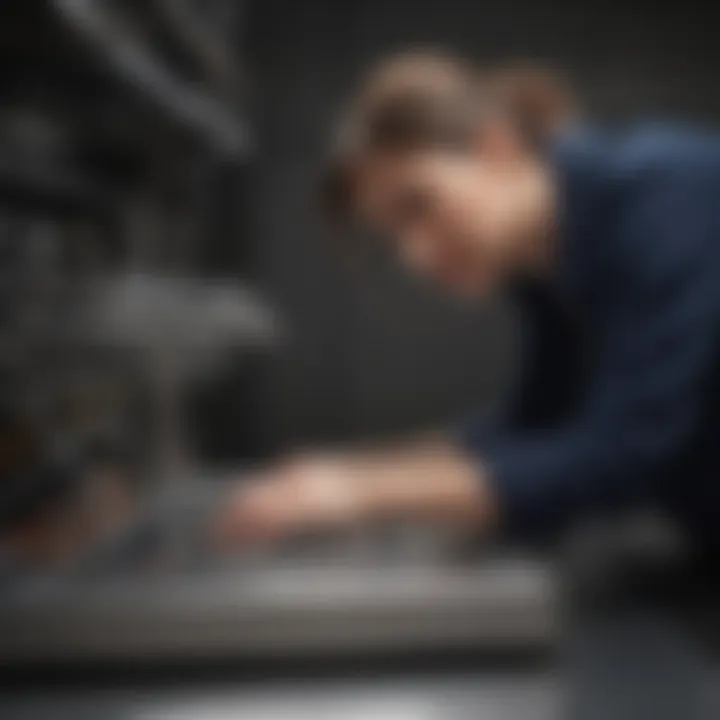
172 314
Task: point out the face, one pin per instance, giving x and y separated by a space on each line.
455 217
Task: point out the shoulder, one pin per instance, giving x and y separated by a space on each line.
665 157
640 153
654 195
666 238
666 179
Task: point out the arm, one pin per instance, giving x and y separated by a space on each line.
433 480
655 340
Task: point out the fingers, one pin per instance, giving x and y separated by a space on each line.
255 513
299 495
290 500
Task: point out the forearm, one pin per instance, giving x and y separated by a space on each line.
432 480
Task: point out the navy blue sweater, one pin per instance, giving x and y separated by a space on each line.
618 399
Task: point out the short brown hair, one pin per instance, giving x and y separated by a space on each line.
431 99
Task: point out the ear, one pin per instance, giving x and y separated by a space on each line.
498 141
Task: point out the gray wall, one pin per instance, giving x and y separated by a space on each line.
371 351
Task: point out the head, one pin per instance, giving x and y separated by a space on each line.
447 164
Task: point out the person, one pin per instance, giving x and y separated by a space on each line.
609 239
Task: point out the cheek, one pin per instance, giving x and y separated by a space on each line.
466 212
462 232
469 255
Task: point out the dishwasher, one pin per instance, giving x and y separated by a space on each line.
158 589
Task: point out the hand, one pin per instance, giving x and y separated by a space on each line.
326 492
308 493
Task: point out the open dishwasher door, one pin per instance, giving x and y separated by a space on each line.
159 591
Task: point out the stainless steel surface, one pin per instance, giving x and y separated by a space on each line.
276 612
